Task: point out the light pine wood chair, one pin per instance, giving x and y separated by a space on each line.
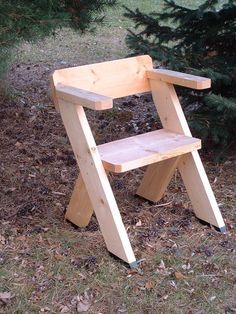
95 86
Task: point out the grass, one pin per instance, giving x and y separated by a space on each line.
45 270
107 42
42 272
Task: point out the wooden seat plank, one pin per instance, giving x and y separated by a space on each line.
144 149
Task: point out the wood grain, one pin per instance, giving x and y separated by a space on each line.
178 78
190 165
80 209
114 79
82 97
144 149
96 181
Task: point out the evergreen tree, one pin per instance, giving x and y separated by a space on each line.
199 41
31 20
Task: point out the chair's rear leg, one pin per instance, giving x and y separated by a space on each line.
80 209
199 190
157 178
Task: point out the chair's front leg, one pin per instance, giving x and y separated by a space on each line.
96 181
80 209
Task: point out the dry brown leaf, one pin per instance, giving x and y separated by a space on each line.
149 285
179 275
58 256
212 53
136 290
2 240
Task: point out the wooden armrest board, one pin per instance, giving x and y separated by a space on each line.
178 78
144 149
83 97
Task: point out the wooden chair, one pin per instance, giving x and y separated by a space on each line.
95 86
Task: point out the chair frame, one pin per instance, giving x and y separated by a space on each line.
88 86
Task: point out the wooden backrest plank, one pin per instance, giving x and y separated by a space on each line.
115 79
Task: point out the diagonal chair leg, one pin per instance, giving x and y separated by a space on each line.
189 165
199 190
80 210
157 178
96 181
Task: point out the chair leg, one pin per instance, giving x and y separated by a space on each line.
80 210
189 165
156 179
199 190
96 181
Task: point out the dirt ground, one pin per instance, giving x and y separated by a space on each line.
185 263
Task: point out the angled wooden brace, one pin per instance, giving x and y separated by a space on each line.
94 187
158 175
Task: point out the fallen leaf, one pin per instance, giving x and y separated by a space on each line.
165 297
149 285
212 298
2 240
65 309
83 306
162 265
139 223
45 309
6 296
173 284
190 291
132 271
136 290
58 256
212 53
84 301
186 266
18 144
122 309
179 275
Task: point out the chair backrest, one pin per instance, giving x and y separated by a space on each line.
115 79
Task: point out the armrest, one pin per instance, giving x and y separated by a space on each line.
83 97
178 78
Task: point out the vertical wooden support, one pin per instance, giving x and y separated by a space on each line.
80 208
189 165
96 181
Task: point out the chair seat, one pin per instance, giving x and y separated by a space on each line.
144 149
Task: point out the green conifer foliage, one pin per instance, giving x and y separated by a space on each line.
31 20
200 41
